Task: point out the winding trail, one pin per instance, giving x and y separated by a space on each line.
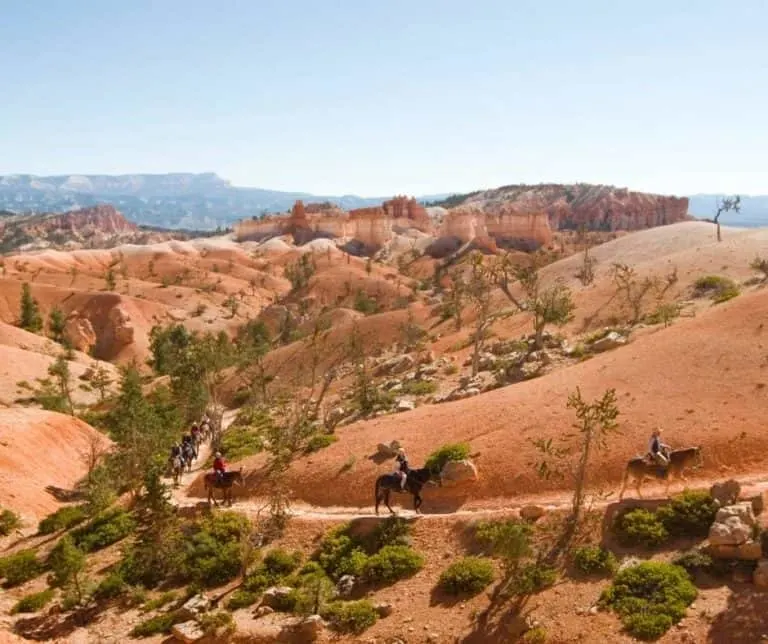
751 484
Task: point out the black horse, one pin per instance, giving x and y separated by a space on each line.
416 480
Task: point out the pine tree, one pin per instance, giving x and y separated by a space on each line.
29 318
59 371
100 381
56 324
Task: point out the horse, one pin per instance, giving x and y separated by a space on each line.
188 455
228 479
679 460
416 479
177 468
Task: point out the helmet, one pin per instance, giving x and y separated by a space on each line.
400 451
218 454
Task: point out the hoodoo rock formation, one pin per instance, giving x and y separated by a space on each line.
515 217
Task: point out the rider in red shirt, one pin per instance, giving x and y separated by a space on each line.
219 466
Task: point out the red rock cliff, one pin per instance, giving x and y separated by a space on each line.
596 207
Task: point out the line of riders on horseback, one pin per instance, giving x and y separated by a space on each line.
185 452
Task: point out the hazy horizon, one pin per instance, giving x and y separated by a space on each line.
397 98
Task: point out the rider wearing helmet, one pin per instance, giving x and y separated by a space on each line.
219 466
402 467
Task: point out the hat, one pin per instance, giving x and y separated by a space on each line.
218 454
401 451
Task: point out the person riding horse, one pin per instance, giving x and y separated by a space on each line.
402 467
658 452
219 467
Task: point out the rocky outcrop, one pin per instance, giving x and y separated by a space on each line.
595 207
79 332
732 534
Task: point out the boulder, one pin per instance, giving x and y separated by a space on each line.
393 366
384 609
458 472
611 341
760 576
733 524
195 606
188 632
405 405
263 611
120 326
79 332
532 512
276 596
307 630
725 493
748 551
345 585
389 451
759 501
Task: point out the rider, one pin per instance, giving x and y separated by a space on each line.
657 450
402 467
219 467
175 451
195 432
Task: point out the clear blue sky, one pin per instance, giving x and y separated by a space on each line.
375 97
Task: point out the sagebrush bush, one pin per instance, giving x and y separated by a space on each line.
467 576
113 585
320 441
591 560
33 602
391 564
650 597
212 554
213 622
640 527
281 563
392 531
160 624
531 578
339 554
242 599
20 567
162 600
695 562
9 521
64 518
350 617
536 635
719 288
690 513
103 530
449 452
419 387
508 539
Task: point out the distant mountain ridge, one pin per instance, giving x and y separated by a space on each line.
177 200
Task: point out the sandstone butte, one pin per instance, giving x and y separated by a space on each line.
104 219
515 217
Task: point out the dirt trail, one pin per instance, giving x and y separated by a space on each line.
751 485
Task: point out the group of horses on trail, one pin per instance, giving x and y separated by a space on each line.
639 468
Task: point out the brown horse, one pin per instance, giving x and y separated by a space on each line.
679 460
226 483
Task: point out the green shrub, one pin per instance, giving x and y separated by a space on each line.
319 441
365 304
536 635
419 387
640 527
591 560
9 521
113 585
450 452
158 602
33 602
717 287
242 599
257 580
212 554
392 563
279 563
240 441
212 623
350 617
63 519
160 624
650 597
531 578
103 530
339 554
688 514
19 567
509 539
467 576
392 531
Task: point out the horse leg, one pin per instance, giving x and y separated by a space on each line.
417 502
624 484
638 484
386 501
377 494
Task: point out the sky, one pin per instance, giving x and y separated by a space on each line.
376 98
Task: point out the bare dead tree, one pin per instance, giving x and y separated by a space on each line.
726 204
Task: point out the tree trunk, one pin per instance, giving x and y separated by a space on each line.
719 238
